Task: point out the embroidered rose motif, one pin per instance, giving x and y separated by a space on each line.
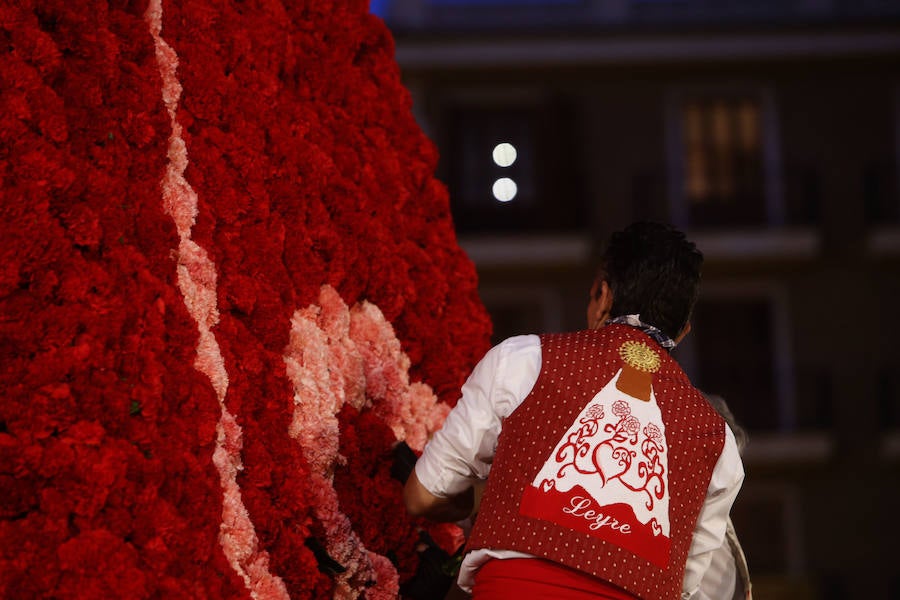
595 411
621 409
631 425
653 432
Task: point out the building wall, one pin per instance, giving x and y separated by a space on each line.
823 467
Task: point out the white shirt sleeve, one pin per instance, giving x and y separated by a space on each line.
709 533
463 449
720 582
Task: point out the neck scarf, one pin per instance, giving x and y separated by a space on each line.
635 321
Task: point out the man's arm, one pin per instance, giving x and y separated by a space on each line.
709 532
446 481
422 503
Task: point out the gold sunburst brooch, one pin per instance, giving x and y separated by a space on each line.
639 356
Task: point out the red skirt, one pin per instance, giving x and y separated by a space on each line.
529 578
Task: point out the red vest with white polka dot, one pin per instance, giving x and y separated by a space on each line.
604 467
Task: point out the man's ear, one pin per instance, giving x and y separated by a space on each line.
606 297
604 302
684 332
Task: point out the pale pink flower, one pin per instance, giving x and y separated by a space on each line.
338 355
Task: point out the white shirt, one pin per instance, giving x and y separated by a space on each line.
720 580
461 453
727 577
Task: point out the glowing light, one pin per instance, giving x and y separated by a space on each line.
505 189
504 154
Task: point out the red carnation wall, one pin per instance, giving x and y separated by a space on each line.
308 170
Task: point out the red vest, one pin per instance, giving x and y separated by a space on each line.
604 481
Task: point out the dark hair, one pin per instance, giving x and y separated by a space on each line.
652 270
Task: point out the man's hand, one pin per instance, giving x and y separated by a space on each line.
422 503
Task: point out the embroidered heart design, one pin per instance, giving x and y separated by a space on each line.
547 485
657 528
611 462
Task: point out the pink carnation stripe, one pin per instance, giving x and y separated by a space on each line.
411 410
197 283
319 392
338 355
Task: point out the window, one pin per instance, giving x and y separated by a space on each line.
739 349
512 167
734 345
723 159
722 156
768 519
887 389
878 194
885 362
489 146
881 181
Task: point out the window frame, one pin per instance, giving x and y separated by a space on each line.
544 181
790 498
772 184
783 381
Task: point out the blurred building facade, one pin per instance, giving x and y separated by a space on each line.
770 132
